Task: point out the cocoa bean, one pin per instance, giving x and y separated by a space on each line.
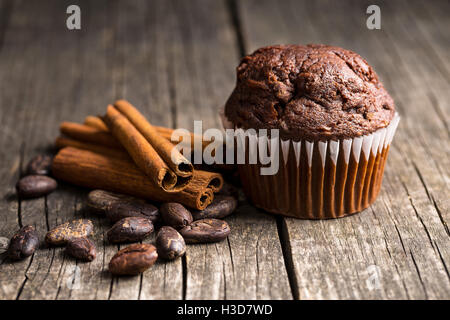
120 210
133 259
175 215
131 229
99 201
82 249
35 186
221 207
23 243
205 230
117 206
169 243
61 234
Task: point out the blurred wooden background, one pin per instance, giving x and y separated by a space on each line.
176 61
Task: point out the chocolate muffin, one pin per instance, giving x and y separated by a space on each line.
335 121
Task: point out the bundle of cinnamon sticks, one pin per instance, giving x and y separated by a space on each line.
122 152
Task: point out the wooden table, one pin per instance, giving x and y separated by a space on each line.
176 61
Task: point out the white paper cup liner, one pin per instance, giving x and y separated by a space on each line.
317 180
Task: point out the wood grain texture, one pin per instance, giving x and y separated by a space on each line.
176 62
204 58
130 59
404 236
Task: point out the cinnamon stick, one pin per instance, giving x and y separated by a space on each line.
88 134
172 157
167 133
95 122
84 132
212 180
96 171
98 123
62 142
141 151
202 178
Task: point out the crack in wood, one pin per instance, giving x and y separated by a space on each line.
418 273
430 195
111 287
422 180
185 275
50 265
26 278
141 276
417 214
74 279
286 249
47 224
224 279
21 173
399 275
231 255
233 11
257 261
441 217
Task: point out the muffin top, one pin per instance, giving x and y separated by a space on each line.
313 92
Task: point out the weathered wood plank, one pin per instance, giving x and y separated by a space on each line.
141 48
176 61
250 265
47 274
133 59
15 125
75 94
124 75
256 265
404 235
